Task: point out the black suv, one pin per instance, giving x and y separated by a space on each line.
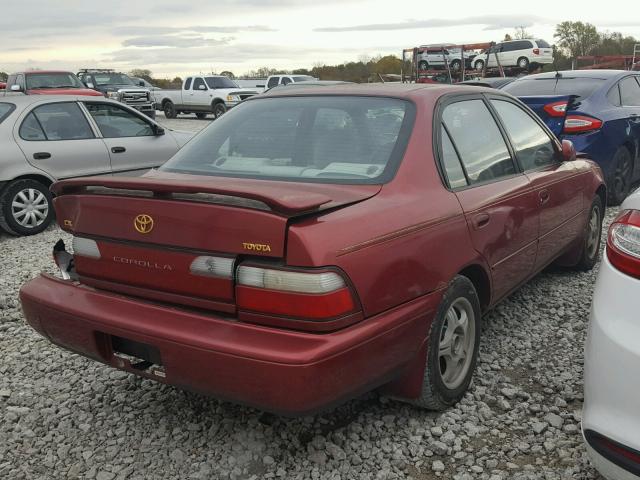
120 87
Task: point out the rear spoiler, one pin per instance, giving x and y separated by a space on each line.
292 200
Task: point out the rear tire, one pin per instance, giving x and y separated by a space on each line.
523 62
479 64
423 65
26 207
592 236
619 182
454 341
456 65
169 110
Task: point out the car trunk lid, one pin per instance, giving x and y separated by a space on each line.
172 233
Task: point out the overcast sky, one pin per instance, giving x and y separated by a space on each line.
172 37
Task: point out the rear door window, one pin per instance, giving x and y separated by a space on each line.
451 162
613 95
630 92
56 121
187 83
5 110
477 138
534 148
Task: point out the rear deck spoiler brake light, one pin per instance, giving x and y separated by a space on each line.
272 196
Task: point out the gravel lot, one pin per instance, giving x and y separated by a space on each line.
67 417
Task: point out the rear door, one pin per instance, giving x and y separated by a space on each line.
630 99
58 139
497 199
558 185
130 138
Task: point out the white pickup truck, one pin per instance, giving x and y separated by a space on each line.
202 95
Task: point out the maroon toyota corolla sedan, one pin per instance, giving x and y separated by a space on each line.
315 244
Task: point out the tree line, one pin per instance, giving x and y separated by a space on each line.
573 39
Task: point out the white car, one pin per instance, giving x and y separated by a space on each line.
516 53
611 417
437 56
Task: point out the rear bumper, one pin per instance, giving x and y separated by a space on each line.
290 373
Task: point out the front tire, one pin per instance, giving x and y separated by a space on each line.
169 110
25 207
219 109
456 65
423 65
454 341
620 181
479 65
593 232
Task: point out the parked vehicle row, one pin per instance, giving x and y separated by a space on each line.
44 139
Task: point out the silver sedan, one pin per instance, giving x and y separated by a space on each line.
46 138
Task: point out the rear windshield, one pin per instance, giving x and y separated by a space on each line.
582 87
326 139
542 44
220 82
5 110
52 80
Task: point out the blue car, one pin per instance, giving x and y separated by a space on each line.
598 110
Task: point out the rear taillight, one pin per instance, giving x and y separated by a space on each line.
536 51
623 243
556 109
581 123
294 294
221 267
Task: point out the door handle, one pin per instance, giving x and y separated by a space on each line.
481 220
41 155
118 150
544 196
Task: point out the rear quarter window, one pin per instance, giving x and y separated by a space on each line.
5 110
581 87
542 44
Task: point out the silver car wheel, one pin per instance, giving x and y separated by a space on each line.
457 342
593 232
30 208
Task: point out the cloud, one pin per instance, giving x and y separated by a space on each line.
161 30
491 22
175 41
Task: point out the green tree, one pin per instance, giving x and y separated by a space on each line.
3 76
577 38
228 73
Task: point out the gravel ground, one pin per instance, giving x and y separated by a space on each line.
63 416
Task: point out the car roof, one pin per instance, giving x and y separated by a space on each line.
402 90
26 100
41 71
589 73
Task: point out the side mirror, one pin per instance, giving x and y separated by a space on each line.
158 130
568 151
16 88
201 87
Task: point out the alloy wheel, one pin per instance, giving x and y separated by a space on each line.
593 232
457 342
30 208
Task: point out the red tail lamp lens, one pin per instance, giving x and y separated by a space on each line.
623 243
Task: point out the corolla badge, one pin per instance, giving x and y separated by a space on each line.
143 223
